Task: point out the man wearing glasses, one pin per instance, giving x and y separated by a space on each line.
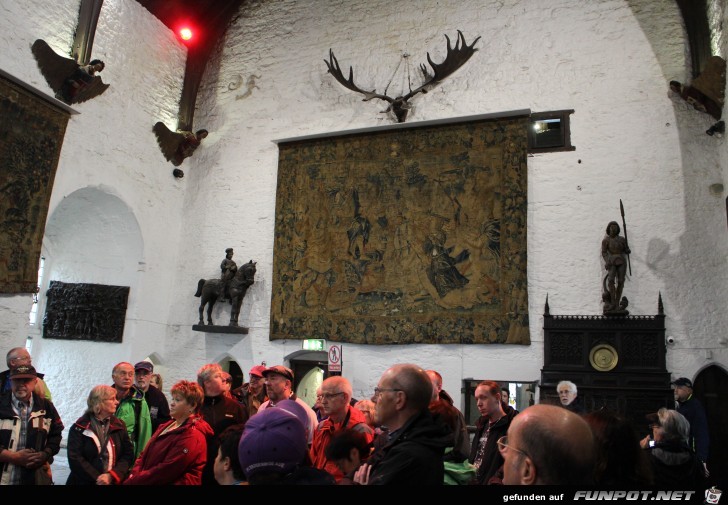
18 356
547 445
413 452
336 393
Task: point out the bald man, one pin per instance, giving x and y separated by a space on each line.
547 444
413 452
20 356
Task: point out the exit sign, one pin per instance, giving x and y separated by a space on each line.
314 344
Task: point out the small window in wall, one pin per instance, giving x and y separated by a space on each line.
33 316
550 132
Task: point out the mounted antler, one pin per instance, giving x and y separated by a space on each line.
455 58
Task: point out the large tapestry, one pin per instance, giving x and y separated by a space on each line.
411 235
31 135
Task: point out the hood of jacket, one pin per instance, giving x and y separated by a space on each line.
196 422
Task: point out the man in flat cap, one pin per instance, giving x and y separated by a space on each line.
252 394
30 431
279 386
693 410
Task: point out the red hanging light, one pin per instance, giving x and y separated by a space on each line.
185 33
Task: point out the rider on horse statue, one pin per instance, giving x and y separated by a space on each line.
228 268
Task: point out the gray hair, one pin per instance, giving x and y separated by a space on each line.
15 350
98 395
568 384
207 371
674 425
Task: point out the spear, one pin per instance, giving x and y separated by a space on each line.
624 227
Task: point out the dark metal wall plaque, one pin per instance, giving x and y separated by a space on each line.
404 236
85 312
31 136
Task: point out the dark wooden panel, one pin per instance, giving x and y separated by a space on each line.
637 385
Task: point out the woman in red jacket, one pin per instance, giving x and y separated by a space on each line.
177 452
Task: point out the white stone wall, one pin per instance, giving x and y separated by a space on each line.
114 214
611 61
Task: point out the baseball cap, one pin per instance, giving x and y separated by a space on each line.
257 370
23 372
274 440
280 370
683 381
144 365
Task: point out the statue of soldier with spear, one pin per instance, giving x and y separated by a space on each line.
615 251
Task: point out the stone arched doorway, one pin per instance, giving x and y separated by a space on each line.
710 388
310 368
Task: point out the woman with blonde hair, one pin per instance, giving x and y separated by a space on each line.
156 381
177 452
99 450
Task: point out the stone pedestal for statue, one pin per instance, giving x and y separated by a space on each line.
213 328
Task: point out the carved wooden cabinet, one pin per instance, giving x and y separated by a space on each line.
616 362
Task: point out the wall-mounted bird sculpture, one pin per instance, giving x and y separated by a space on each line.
399 106
71 81
177 145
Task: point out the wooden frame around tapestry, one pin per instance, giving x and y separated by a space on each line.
406 235
31 136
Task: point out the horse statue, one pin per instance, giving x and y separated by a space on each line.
211 289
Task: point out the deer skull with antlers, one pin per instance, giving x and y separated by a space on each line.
399 106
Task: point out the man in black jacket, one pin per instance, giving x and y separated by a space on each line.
219 411
693 410
492 424
413 452
156 401
30 431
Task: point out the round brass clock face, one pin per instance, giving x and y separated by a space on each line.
603 357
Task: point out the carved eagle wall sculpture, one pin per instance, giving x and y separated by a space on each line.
177 145
399 106
70 82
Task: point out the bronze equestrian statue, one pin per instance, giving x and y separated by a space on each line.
211 289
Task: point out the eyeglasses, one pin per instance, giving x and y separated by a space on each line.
329 396
503 446
19 358
379 391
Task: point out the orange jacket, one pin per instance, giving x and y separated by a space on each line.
354 419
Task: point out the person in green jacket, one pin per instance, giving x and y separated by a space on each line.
133 408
